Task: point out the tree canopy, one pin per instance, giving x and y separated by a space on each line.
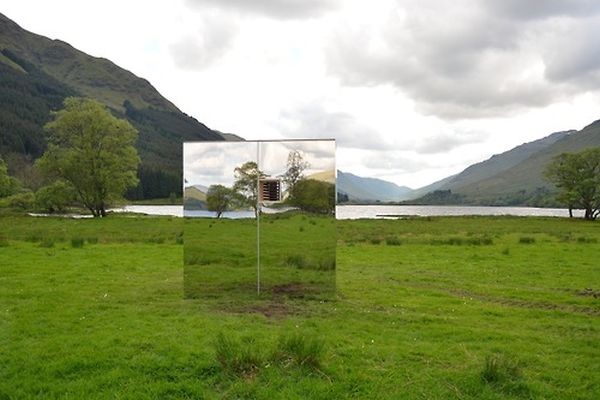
218 199
295 169
8 184
93 151
577 177
313 196
246 183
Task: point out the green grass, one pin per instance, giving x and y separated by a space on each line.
433 318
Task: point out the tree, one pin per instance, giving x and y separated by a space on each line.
55 197
246 184
218 199
93 151
313 196
8 184
577 177
295 168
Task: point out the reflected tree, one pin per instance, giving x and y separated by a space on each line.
246 184
218 199
295 169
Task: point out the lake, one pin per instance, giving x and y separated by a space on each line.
384 211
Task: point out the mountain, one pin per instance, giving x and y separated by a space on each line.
360 189
514 177
195 197
492 166
324 176
37 73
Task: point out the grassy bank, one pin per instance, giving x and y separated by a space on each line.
464 308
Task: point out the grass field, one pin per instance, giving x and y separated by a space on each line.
427 308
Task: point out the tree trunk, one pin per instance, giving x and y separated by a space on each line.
570 212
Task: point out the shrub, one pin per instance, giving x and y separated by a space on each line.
375 240
77 242
327 264
92 240
46 242
583 239
300 349
21 201
503 373
235 357
55 197
393 241
296 260
497 369
526 240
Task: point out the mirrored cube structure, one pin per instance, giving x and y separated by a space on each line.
260 218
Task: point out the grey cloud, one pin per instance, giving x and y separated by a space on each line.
466 61
534 9
575 58
200 49
313 121
445 142
394 161
283 9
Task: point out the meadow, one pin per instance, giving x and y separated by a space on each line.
426 308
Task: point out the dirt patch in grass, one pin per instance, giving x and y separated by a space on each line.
589 292
505 301
271 310
297 290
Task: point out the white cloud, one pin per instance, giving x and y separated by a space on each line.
282 9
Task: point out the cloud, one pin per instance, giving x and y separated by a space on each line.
447 141
210 163
471 60
314 121
574 58
279 9
393 161
201 48
537 9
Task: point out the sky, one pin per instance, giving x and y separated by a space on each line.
412 90
212 163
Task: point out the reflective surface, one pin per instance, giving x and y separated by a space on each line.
260 218
219 228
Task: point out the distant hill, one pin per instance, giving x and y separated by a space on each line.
194 197
514 177
492 166
324 176
365 190
37 73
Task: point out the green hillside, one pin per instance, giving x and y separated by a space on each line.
514 177
527 176
492 166
194 198
38 73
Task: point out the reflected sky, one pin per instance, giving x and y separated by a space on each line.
210 163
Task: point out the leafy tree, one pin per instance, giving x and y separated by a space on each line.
246 184
218 199
55 197
93 151
23 200
313 196
577 176
8 184
295 169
